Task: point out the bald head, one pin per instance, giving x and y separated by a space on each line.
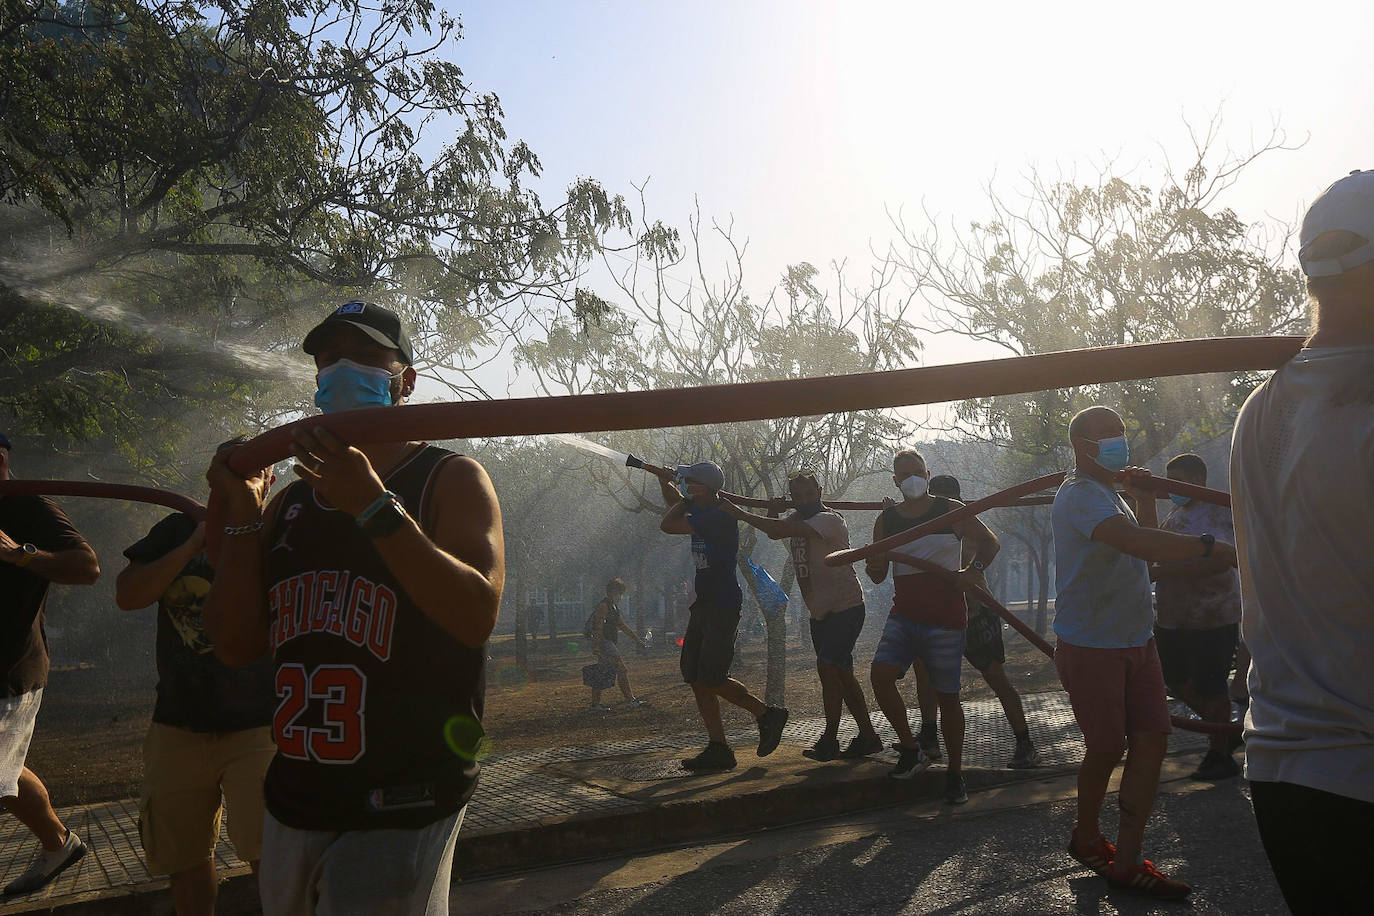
1096 423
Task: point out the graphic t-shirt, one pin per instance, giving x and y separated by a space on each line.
825 589
195 690
715 545
1199 602
1102 597
23 593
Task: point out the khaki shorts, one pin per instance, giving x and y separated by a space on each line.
184 774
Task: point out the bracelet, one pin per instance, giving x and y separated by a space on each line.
376 506
243 529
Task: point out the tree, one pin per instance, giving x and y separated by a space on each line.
189 182
669 332
1068 265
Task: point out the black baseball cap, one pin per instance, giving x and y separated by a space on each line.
381 324
944 485
5 442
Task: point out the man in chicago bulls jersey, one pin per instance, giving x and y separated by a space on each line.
374 581
928 619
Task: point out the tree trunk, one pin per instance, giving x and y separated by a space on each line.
1042 608
522 658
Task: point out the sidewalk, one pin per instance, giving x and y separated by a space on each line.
564 804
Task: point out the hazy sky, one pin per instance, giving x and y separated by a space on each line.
805 121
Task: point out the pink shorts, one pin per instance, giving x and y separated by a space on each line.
1114 692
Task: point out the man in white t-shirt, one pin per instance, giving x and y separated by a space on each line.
836 605
1302 485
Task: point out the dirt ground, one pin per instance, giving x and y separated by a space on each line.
88 743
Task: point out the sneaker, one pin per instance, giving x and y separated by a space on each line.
1025 757
1217 765
48 865
1097 855
770 729
1148 881
910 762
955 792
824 749
862 747
716 756
636 703
930 743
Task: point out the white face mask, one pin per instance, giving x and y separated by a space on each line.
913 487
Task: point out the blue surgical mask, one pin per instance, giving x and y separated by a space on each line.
682 488
1179 500
1113 453
346 385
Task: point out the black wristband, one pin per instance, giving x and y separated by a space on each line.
386 520
1207 542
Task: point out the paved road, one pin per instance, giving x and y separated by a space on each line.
1002 853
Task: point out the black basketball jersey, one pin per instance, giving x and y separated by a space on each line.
377 706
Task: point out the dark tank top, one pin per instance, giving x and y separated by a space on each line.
378 708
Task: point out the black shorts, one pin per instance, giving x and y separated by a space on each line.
1201 658
708 646
984 646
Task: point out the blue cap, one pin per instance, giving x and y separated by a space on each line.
707 473
1346 206
5 442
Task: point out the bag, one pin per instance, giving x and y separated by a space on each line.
598 675
771 596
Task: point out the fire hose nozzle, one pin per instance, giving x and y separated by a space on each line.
632 462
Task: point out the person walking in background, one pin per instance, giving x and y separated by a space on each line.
1197 617
211 732
38 546
985 651
1106 654
1302 485
604 626
928 620
708 646
835 602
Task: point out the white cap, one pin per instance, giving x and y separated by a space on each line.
1346 206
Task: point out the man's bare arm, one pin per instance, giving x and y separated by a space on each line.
775 528
141 584
1155 545
457 578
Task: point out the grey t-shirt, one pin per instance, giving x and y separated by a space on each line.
1102 596
1302 489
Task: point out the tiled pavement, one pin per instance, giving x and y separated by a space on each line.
521 792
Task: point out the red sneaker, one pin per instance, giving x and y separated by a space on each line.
1148 881
1097 855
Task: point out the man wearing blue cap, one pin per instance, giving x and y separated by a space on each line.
708 647
1302 489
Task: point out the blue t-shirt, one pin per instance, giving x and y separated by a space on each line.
1102 598
715 545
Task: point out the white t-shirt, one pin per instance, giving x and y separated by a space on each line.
1302 485
825 589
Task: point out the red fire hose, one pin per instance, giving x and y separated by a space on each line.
105 491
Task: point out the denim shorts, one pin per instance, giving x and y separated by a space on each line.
834 635
939 648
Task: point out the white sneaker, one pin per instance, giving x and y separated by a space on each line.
47 865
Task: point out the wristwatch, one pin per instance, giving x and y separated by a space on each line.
24 555
1207 542
979 565
386 520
